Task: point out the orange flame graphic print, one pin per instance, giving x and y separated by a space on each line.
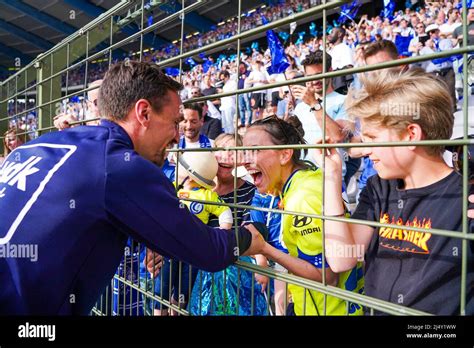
418 239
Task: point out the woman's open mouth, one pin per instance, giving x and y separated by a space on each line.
257 176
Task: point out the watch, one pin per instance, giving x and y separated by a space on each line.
316 107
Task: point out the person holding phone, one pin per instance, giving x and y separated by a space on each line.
418 42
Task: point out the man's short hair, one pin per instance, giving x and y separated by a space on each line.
394 99
381 46
316 58
127 82
195 107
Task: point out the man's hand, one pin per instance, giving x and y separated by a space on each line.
306 94
63 121
257 244
470 212
153 262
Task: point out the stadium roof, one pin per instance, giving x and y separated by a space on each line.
30 27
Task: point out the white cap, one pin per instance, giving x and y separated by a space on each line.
431 27
201 167
239 172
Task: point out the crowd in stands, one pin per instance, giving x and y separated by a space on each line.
291 115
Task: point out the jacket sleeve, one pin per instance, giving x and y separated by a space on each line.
142 203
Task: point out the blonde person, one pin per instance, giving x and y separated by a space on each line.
413 187
196 173
299 185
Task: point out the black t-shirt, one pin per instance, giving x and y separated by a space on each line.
209 91
212 127
413 269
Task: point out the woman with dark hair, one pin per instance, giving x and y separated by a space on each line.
299 185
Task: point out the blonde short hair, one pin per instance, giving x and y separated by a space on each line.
225 138
394 99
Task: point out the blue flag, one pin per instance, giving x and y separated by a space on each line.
312 30
206 65
172 71
190 61
348 12
284 35
468 3
279 60
388 8
300 38
402 44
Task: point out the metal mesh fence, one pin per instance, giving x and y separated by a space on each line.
45 83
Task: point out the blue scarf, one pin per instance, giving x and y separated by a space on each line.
204 142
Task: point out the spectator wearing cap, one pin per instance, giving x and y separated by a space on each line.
443 68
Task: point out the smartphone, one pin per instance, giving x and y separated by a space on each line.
423 39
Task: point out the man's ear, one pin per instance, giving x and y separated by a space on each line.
142 112
414 133
285 156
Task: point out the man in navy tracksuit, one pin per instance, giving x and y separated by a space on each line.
79 194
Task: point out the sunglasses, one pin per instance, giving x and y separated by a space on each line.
274 120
